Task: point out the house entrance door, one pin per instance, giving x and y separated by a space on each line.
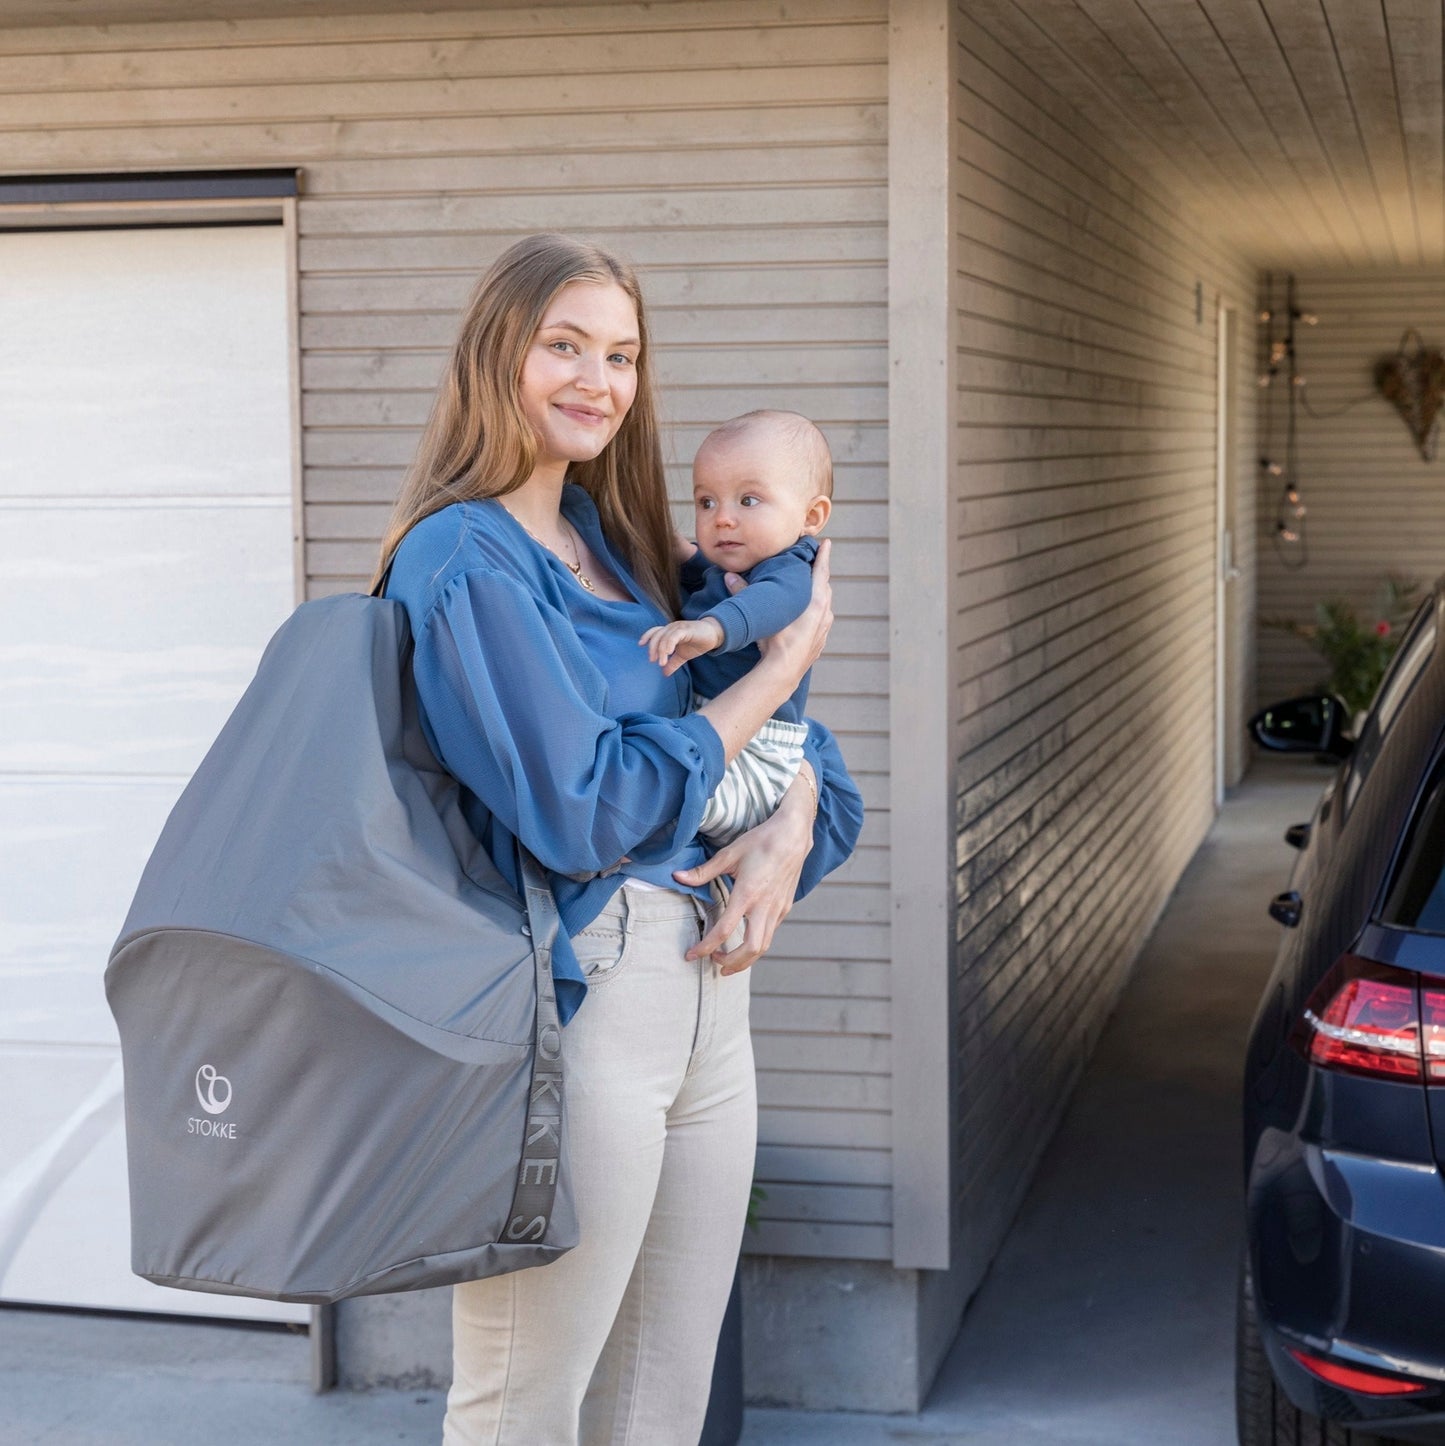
1228 711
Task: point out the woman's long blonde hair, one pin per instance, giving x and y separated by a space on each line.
478 443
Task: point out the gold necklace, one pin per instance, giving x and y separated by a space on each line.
575 568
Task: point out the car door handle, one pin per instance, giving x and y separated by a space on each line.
1285 908
1297 835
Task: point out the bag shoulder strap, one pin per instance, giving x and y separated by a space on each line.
535 1195
536 1189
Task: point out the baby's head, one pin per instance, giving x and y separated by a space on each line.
759 483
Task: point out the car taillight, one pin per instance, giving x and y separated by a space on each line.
1374 1019
1355 1378
1432 1011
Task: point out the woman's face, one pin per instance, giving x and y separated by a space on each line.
579 375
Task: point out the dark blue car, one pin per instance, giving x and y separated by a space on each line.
1342 1291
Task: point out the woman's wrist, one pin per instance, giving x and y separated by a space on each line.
805 777
797 806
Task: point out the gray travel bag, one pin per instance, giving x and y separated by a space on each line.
342 1056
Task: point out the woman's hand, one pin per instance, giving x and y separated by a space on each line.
765 864
798 646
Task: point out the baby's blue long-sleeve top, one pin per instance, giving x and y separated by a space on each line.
777 591
535 694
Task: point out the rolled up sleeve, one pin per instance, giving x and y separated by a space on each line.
840 809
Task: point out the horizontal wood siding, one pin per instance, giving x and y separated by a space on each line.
734 149
1374 506
1085 590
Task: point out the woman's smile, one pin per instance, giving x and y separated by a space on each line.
589 416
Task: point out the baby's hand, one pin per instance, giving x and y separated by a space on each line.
678 643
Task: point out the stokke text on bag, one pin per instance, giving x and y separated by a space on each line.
342 1057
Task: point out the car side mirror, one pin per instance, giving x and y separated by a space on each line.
1318 724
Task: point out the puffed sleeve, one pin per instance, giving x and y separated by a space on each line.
515 708
840 809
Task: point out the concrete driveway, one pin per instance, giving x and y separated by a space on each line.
1107 1319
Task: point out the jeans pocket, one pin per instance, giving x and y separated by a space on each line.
601 950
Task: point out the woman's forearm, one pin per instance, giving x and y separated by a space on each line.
739 711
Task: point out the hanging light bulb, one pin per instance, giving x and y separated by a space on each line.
1264 379
1291 494
1274 469
1276 353
1309 318
1287 534
1265 315
1297 380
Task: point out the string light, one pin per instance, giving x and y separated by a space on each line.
1279 351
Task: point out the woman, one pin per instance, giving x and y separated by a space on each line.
532 547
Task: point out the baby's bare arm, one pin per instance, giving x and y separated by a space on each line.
677 643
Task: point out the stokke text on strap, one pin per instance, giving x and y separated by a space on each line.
531 1211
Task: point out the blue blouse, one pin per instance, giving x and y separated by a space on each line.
536 696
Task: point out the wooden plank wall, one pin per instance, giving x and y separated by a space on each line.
1086 409
735 149
1374 506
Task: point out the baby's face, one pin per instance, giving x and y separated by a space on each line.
750 498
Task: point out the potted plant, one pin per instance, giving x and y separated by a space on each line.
1357 650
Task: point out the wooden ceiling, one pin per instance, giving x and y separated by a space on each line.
1306 132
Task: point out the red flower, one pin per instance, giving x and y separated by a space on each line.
1382 629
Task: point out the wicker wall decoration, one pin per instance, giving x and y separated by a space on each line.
1414 382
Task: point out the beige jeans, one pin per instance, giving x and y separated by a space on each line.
613 1343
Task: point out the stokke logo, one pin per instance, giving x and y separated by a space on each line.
208 1081
213 1090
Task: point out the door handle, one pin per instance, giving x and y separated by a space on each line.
1285 908
1297 835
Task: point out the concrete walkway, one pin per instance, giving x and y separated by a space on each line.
1108 1317
1106 1321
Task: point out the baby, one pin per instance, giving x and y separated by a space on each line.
762 487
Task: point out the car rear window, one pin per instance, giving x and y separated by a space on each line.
1416 897
1408 663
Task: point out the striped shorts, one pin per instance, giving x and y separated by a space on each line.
755 781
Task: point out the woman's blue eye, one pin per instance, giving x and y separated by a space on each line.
619 356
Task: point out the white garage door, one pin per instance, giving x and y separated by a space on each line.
146 555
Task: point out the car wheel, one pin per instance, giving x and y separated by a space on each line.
1264 1415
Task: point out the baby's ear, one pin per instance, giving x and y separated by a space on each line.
815 519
